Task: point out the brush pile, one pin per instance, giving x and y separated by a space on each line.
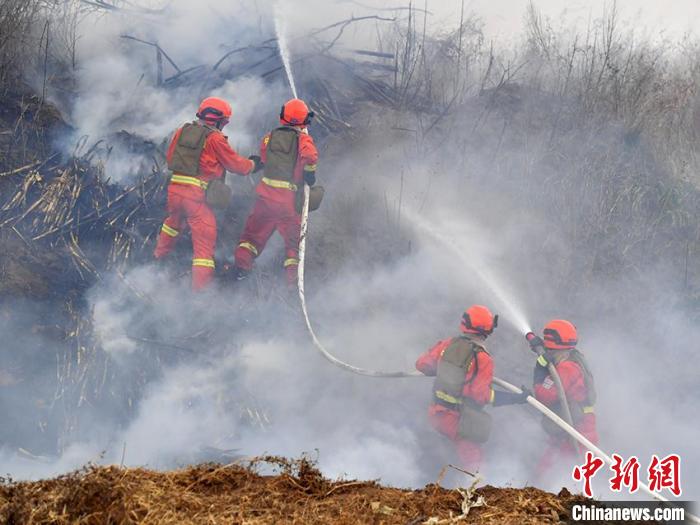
268 490
51 210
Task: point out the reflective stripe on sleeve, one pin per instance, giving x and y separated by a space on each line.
542 361
291 262
310 167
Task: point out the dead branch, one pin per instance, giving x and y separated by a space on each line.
20 170
132 8
352 20
155 45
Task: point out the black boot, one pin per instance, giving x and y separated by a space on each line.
232 273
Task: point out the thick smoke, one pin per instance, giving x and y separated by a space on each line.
413 230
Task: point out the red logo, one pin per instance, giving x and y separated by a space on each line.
663 473
626 475
586 472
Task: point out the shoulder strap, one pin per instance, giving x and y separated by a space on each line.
577 357
476 348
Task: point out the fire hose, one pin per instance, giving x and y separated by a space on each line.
302 299
573 433
566 427
563 401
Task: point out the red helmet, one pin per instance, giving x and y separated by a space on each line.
478 320
560 335
214 109
296 113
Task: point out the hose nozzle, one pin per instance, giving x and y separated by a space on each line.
534 340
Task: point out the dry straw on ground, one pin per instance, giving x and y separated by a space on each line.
266 491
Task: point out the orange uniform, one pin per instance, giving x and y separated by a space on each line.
577 394
477 387
274 207
187 204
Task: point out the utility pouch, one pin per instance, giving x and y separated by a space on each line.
474 423
218 194
316 194
315 197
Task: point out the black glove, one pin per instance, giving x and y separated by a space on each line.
258 163
310 177
501 399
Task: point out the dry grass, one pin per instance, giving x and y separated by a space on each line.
236 494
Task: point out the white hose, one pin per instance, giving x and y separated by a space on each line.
496 381
563 401
580 438
302 298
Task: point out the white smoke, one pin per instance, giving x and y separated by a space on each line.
384 298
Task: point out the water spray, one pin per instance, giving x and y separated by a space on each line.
284 48
566 427
515 315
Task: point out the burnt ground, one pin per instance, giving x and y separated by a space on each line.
268 490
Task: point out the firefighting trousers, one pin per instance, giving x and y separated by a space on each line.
266 217
559 448
187 207
446 422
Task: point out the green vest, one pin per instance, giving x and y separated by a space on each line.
282 154
573 355
188 150
577 409
452 370
474 422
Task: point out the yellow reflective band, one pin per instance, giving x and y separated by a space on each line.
279 184
541 360
447 397
310 167
252 249
206 263
191 181
291 262
266 140
167 230
588 410
493 396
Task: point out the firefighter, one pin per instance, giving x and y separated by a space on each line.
289 157
558 347
463 371
198 157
